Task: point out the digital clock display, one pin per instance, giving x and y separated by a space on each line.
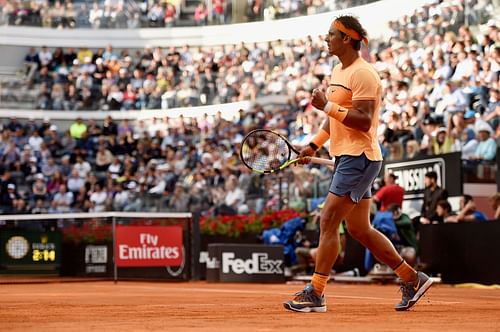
44 255
30 251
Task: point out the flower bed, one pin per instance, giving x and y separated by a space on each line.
234 226
89 232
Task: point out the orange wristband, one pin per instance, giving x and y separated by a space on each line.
320 138
335 111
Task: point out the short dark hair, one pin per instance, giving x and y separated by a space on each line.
444 204
431 175
393 176
467 198
352 22
394 207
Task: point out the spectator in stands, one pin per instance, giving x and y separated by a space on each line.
135 201
391 193
39 207
201 14
487 147
179 200
396 151
412 149
45 57
442 142
432 194
219 9
234 199
77 128
443 212
39 188
103 158
98 199
467 144
32 61
82 166
75 182
120 197
467 212
63 199
55 180
170 15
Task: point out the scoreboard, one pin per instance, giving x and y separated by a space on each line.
30 252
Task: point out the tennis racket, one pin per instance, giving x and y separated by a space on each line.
265 151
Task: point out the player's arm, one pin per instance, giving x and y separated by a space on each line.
361 115
358 117
365 87
317 142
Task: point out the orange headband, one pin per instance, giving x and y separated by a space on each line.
350 32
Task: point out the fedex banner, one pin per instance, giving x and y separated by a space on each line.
148 246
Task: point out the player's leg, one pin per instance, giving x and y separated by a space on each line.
414 284
335 210
311 298
359 227
349 183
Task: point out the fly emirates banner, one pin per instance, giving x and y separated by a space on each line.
148 246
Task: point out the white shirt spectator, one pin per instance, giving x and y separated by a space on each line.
464 69
35 141
159 188
64 200
83 168
120 200
234 197
45 56
98 198
75 183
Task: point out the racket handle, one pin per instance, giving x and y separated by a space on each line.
322 161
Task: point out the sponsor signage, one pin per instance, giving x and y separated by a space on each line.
30 251
148 246
410 174
245 263
96 259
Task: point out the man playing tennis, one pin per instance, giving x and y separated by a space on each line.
352 103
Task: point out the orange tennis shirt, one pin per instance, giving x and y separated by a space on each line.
359 81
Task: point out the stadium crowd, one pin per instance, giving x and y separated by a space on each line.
120 14
441 94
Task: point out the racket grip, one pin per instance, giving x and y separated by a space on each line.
321 161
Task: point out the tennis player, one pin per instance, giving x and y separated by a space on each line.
352 102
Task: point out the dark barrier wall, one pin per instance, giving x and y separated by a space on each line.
465 252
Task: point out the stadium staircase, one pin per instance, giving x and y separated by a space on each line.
186 17
15 93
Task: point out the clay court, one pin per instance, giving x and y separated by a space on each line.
198 306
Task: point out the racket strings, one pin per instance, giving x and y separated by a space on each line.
265 151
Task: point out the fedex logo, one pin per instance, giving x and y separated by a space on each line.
258 264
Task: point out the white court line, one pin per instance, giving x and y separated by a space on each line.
241 291
490 297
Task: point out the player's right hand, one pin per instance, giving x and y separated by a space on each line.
307 151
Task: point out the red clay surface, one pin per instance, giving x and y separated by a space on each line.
198 306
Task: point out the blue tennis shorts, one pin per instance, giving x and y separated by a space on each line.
354 176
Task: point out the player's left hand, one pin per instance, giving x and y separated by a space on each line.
319 99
